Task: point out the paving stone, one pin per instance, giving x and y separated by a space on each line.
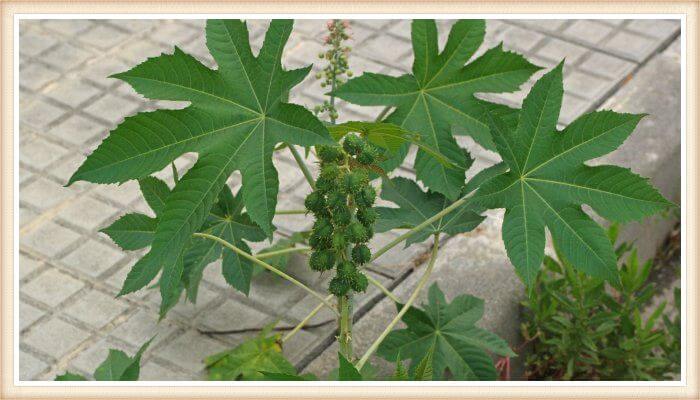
29 366
111 108
95 308
233 315
49 239
141 327
27 266
658 28
93 258
173 33
40 114
39 153
123 194
28 315
152 371
557 50
65 57
585 85
26 216
68 26
139 51
66 167
189 350
116 281
99 70
55 337
188 311
607 66
44 193
77 130
34 43
52 287
35 76
103 37
588 31
629 46
88 213
522 40
72 93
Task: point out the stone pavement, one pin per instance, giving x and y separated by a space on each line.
69 274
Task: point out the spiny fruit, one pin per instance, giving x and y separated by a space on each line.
329 154
354 182
361 254
359 282
366 216
339 286
341 216
353 145
356 233
368 155
315 202
366 197
322 260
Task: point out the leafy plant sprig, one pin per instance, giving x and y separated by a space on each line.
239 115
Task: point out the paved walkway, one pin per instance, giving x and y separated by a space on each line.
69 274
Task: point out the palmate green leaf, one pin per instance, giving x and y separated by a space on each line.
251 360
347 371
448 332
387 136
235 118
226 220
439 96
547 182
415 206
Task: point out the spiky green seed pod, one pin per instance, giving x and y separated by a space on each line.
330 171
368 156
315 202
323 227
337 200
341 216
359 282
346 269
361 254
356 233
339 286
325 185
329 154
317 241
366 216
354 182
353 144
322 260
339 241
366 197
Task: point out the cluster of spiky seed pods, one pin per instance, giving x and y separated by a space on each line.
342 205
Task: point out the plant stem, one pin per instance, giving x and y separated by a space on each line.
345 326
423 280
267 267
287 212
419 227
274 253
381 287
382 114
302 166
306 320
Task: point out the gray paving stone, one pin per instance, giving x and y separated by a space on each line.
77 130
93 258
173 33
49 239
89 359
39 153
95 308
28 315
589 31
557 50
68 26
88 213
605 65
103 37
29 366
35 76
27 266
40 114
141 327
233 315
44 194
633 47
654 27
52 287
65 57
111 108
55 337
72 92
35 42
189 350
123 194
152 371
